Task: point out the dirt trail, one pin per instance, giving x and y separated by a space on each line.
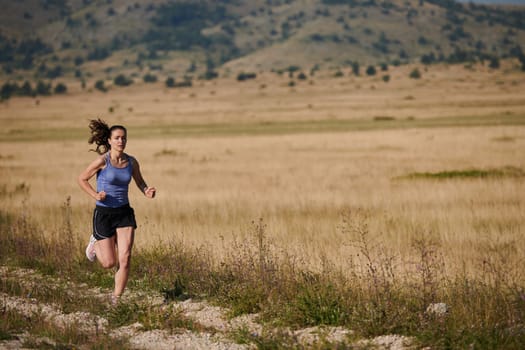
218 328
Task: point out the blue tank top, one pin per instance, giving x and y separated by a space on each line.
115 182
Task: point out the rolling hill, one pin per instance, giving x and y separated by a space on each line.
78 38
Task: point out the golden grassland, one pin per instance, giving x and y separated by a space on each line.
223 154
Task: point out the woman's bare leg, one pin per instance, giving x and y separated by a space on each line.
105 251
125 237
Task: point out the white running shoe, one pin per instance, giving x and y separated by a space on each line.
90 249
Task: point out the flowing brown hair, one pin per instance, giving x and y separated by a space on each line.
100 133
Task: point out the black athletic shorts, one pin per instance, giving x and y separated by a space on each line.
107 220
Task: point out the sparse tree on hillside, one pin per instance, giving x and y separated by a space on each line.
371 70
192 68
355 68
149 78
78 60
99 85
26 89
517 52
246 76
122 80
7 90
43 88
494 63
415 74
292 69
7 68
428 59
60 88
54 73
210 70
209 75
98 54
170 82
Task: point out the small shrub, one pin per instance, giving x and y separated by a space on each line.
383 118
185 83
415 74
43 88
150 78
293 69
246 76
60 88
210 75
99 85
7 91
371 70
98 54
54 72
170 82
122 80
78 60
26 89
386 78
494 63
355 68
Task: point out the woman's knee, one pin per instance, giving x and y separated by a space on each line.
108 264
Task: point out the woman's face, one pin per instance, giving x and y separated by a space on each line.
118 140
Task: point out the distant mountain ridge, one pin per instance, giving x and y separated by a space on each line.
77 37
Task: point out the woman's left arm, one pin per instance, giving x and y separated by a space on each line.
139 180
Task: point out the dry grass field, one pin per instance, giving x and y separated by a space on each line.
305 159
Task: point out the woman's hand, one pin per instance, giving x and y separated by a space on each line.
150 192
100 196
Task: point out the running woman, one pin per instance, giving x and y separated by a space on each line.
113 219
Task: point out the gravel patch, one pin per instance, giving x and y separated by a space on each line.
387 342
83 321
216 317
213 318
313 335
163 340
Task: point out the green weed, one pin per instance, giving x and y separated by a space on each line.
504 139
11 324
508 171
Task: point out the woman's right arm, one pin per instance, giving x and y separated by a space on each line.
86 175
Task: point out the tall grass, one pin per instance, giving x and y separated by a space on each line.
375 298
